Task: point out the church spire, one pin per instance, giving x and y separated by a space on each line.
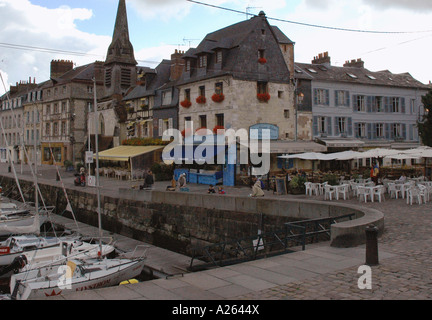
121 49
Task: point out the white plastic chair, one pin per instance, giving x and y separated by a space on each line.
393 191
344 191
308 187
414 193
328 192
379 192
362 192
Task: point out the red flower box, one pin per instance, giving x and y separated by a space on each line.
262 60
264 97
201 100
217 128
218 97
186 131
185 103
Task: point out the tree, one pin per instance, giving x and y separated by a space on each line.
425 125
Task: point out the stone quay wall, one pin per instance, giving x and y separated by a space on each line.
180 221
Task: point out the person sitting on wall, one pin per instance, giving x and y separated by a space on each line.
211 189
148 181
182 182
256 188
172 187
221 190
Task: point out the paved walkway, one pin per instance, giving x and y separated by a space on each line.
319 272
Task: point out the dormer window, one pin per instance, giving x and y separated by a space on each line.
219 56
203 61
188 65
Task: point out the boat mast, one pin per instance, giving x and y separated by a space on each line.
97 165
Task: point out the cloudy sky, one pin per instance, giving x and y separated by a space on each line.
34 32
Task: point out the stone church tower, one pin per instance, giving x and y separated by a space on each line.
120 74
120 64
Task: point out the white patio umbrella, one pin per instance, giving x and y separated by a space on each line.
307 156
344 155
402 156
377 153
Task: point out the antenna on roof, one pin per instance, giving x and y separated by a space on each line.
189 40
248 10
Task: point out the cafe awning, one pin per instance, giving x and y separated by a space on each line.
343 143
125 153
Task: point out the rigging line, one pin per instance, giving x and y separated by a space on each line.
8 147
38 191
313 25
397 44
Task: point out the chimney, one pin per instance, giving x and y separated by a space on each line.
60 67
177 65
322 58
354 63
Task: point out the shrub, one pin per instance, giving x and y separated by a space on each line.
331 179
297 182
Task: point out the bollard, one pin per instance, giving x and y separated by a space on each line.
371 245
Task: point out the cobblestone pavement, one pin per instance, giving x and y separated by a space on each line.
405 276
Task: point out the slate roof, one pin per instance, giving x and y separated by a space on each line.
240 43
326 72
82 73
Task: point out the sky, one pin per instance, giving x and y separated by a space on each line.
394 35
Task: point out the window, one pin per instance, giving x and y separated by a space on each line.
342 125
219 56
312 70
412 106
56 110
353 76
379 105
342 98
280 94
322 96
63 128
64 89
47 129
322 125
395 104
202 91
220 121
187 94
89 89
203 61
203 121
262 87
55 128
361 130
396 129
379 130
286 114
188 65
360 104
261 54
219 88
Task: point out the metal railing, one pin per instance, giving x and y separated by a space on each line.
264 244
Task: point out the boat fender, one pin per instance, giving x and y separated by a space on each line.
130 281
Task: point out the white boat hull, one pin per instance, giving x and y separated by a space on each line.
54 283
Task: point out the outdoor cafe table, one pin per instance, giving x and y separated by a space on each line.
371 191
336 189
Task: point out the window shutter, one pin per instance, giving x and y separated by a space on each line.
369 104
411 133
315 126
369 131
336 126
315 97
355 103
374 106
387 131
336 98
160 127
402 101
329 125
347 99
356 129
327 92
374 131
404 134
387 107
350 133
170 123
